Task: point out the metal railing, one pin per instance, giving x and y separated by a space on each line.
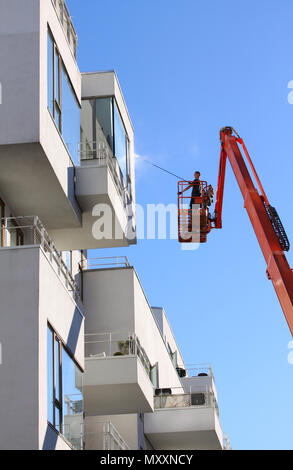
174 397
105 262
101 152
195 370
102 345
29 230
67 25
227 444
103 436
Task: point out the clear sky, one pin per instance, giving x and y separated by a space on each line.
186 69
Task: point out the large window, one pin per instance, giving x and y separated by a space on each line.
64 391
62 102
101 122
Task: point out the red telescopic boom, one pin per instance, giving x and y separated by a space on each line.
267 226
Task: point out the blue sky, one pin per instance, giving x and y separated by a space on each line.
186 69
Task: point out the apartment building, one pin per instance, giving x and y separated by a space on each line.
86 363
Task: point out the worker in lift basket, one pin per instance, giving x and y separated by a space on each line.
196 188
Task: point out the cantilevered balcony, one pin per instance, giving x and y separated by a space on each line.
117 375
106 204
29 231
188 420
104 176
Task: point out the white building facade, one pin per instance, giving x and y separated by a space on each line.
86 363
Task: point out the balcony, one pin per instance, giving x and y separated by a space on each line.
199 376
105 202
29 231
117 375
103 436
183 421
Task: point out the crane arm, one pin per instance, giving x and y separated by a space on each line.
266 224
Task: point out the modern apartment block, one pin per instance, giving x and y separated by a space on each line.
86 363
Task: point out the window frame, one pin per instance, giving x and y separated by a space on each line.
58 403
57 100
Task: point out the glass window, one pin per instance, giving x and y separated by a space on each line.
50 79
57 370
62 101
154 375
72 400
104 119
70 117
120 141
57 77
50 376
69 261
64 391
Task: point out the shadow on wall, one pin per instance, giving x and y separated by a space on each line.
74 331
50 440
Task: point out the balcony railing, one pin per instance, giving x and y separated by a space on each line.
200 397
19 231
107 262
227 445
103 436
73 420
102 345
101 153
67 25
194 370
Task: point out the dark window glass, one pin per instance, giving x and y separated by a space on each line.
50 78
154 375
104 116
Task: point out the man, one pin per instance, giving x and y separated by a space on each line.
196 188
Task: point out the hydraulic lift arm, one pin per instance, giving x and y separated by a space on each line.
263 217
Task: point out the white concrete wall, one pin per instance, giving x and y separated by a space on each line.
109 300
151 339
19 332
19 75
23 113
31 295
167 333
114 301
57 307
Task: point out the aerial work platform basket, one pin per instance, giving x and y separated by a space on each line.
194 221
